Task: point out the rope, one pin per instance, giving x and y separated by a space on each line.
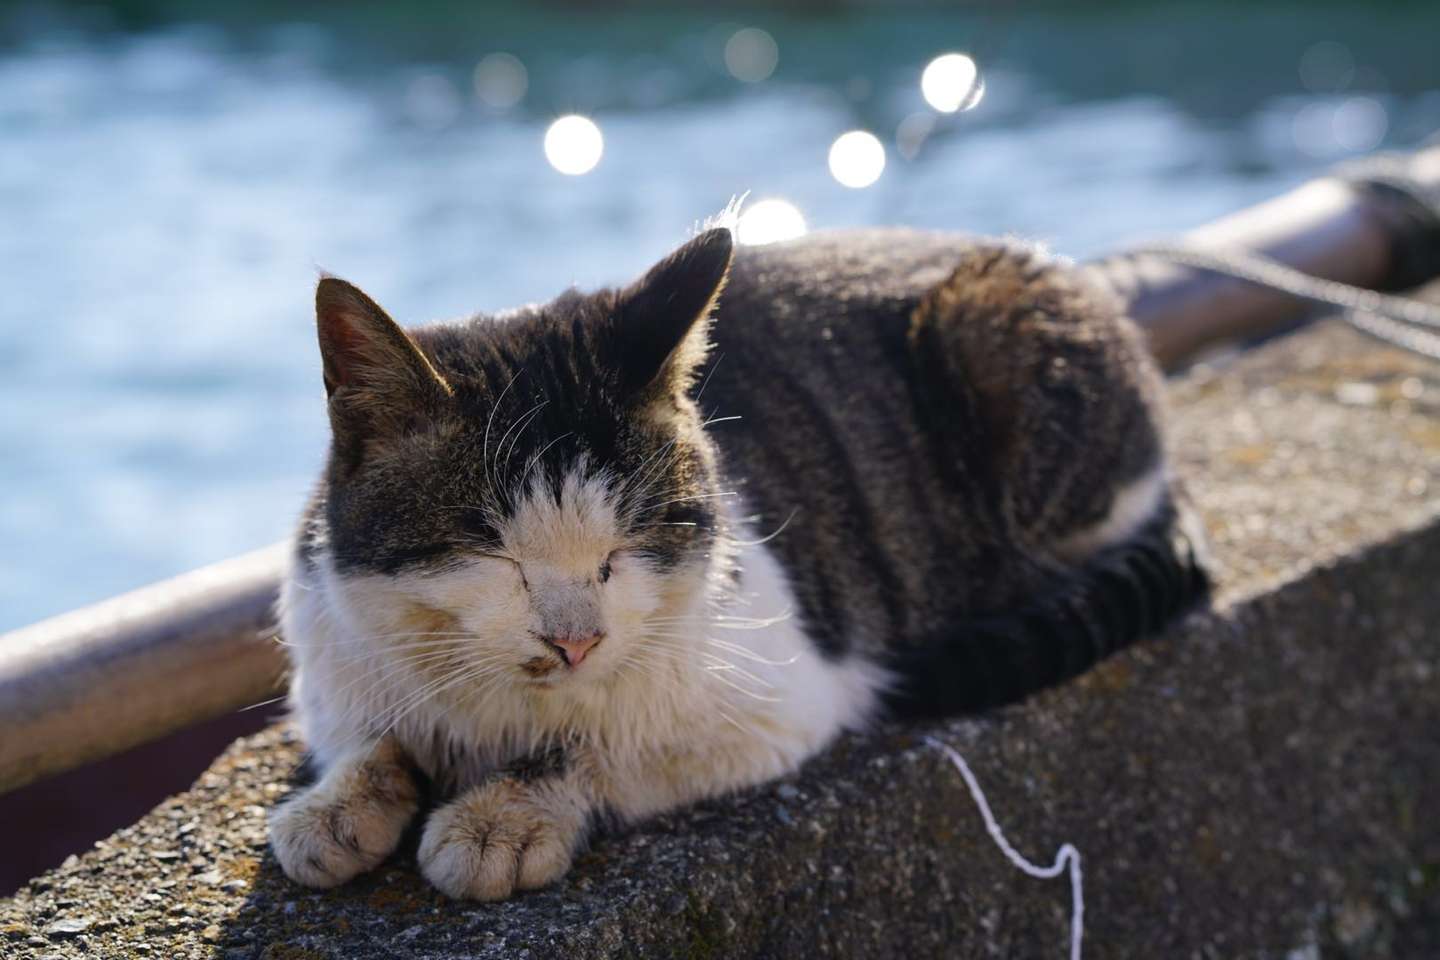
1067 857
1399 321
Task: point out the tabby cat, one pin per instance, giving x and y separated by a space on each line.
605 556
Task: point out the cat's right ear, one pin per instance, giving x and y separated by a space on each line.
374 372
663 318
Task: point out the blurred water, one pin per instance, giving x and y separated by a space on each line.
168 193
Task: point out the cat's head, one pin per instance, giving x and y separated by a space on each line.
523 497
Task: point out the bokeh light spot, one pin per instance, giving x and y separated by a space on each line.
952 82
1360 124
500 80
1329 129
573 145
769 221
857 159
751 55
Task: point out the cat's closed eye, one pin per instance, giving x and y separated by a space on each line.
509 561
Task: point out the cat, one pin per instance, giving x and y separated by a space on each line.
606 556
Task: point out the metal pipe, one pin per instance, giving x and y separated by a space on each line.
1332 228
108 677
102 679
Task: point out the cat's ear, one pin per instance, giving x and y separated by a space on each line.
663 318
374 372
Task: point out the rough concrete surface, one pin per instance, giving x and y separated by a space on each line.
1262 782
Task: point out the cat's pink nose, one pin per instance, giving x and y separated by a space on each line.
575 646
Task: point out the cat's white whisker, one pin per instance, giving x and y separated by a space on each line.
518 427
763 698
649 508
748 654
699 394
534 460
490 421
723 621
373 684
743 728
432 690
393 666
717 663
262 703
374 638
770 536
649 469
729 647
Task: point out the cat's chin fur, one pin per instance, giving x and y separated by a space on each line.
748 667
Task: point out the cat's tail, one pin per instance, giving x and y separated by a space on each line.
1123 594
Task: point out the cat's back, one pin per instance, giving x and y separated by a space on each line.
824 320
829 307
934 413
881 265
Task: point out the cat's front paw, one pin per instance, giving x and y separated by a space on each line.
503 837
344 825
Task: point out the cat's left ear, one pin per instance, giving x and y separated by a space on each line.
663 319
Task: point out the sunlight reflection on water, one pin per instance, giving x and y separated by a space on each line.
857 158
167 199
952 82
769 221
573 145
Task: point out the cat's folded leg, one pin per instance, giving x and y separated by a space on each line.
349 821
517 831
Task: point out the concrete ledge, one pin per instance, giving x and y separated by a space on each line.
1265 781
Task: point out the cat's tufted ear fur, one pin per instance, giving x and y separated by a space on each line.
662 320
375 374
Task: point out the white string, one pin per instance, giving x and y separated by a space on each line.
1066 856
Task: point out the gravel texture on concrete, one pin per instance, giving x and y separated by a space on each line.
1262 782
